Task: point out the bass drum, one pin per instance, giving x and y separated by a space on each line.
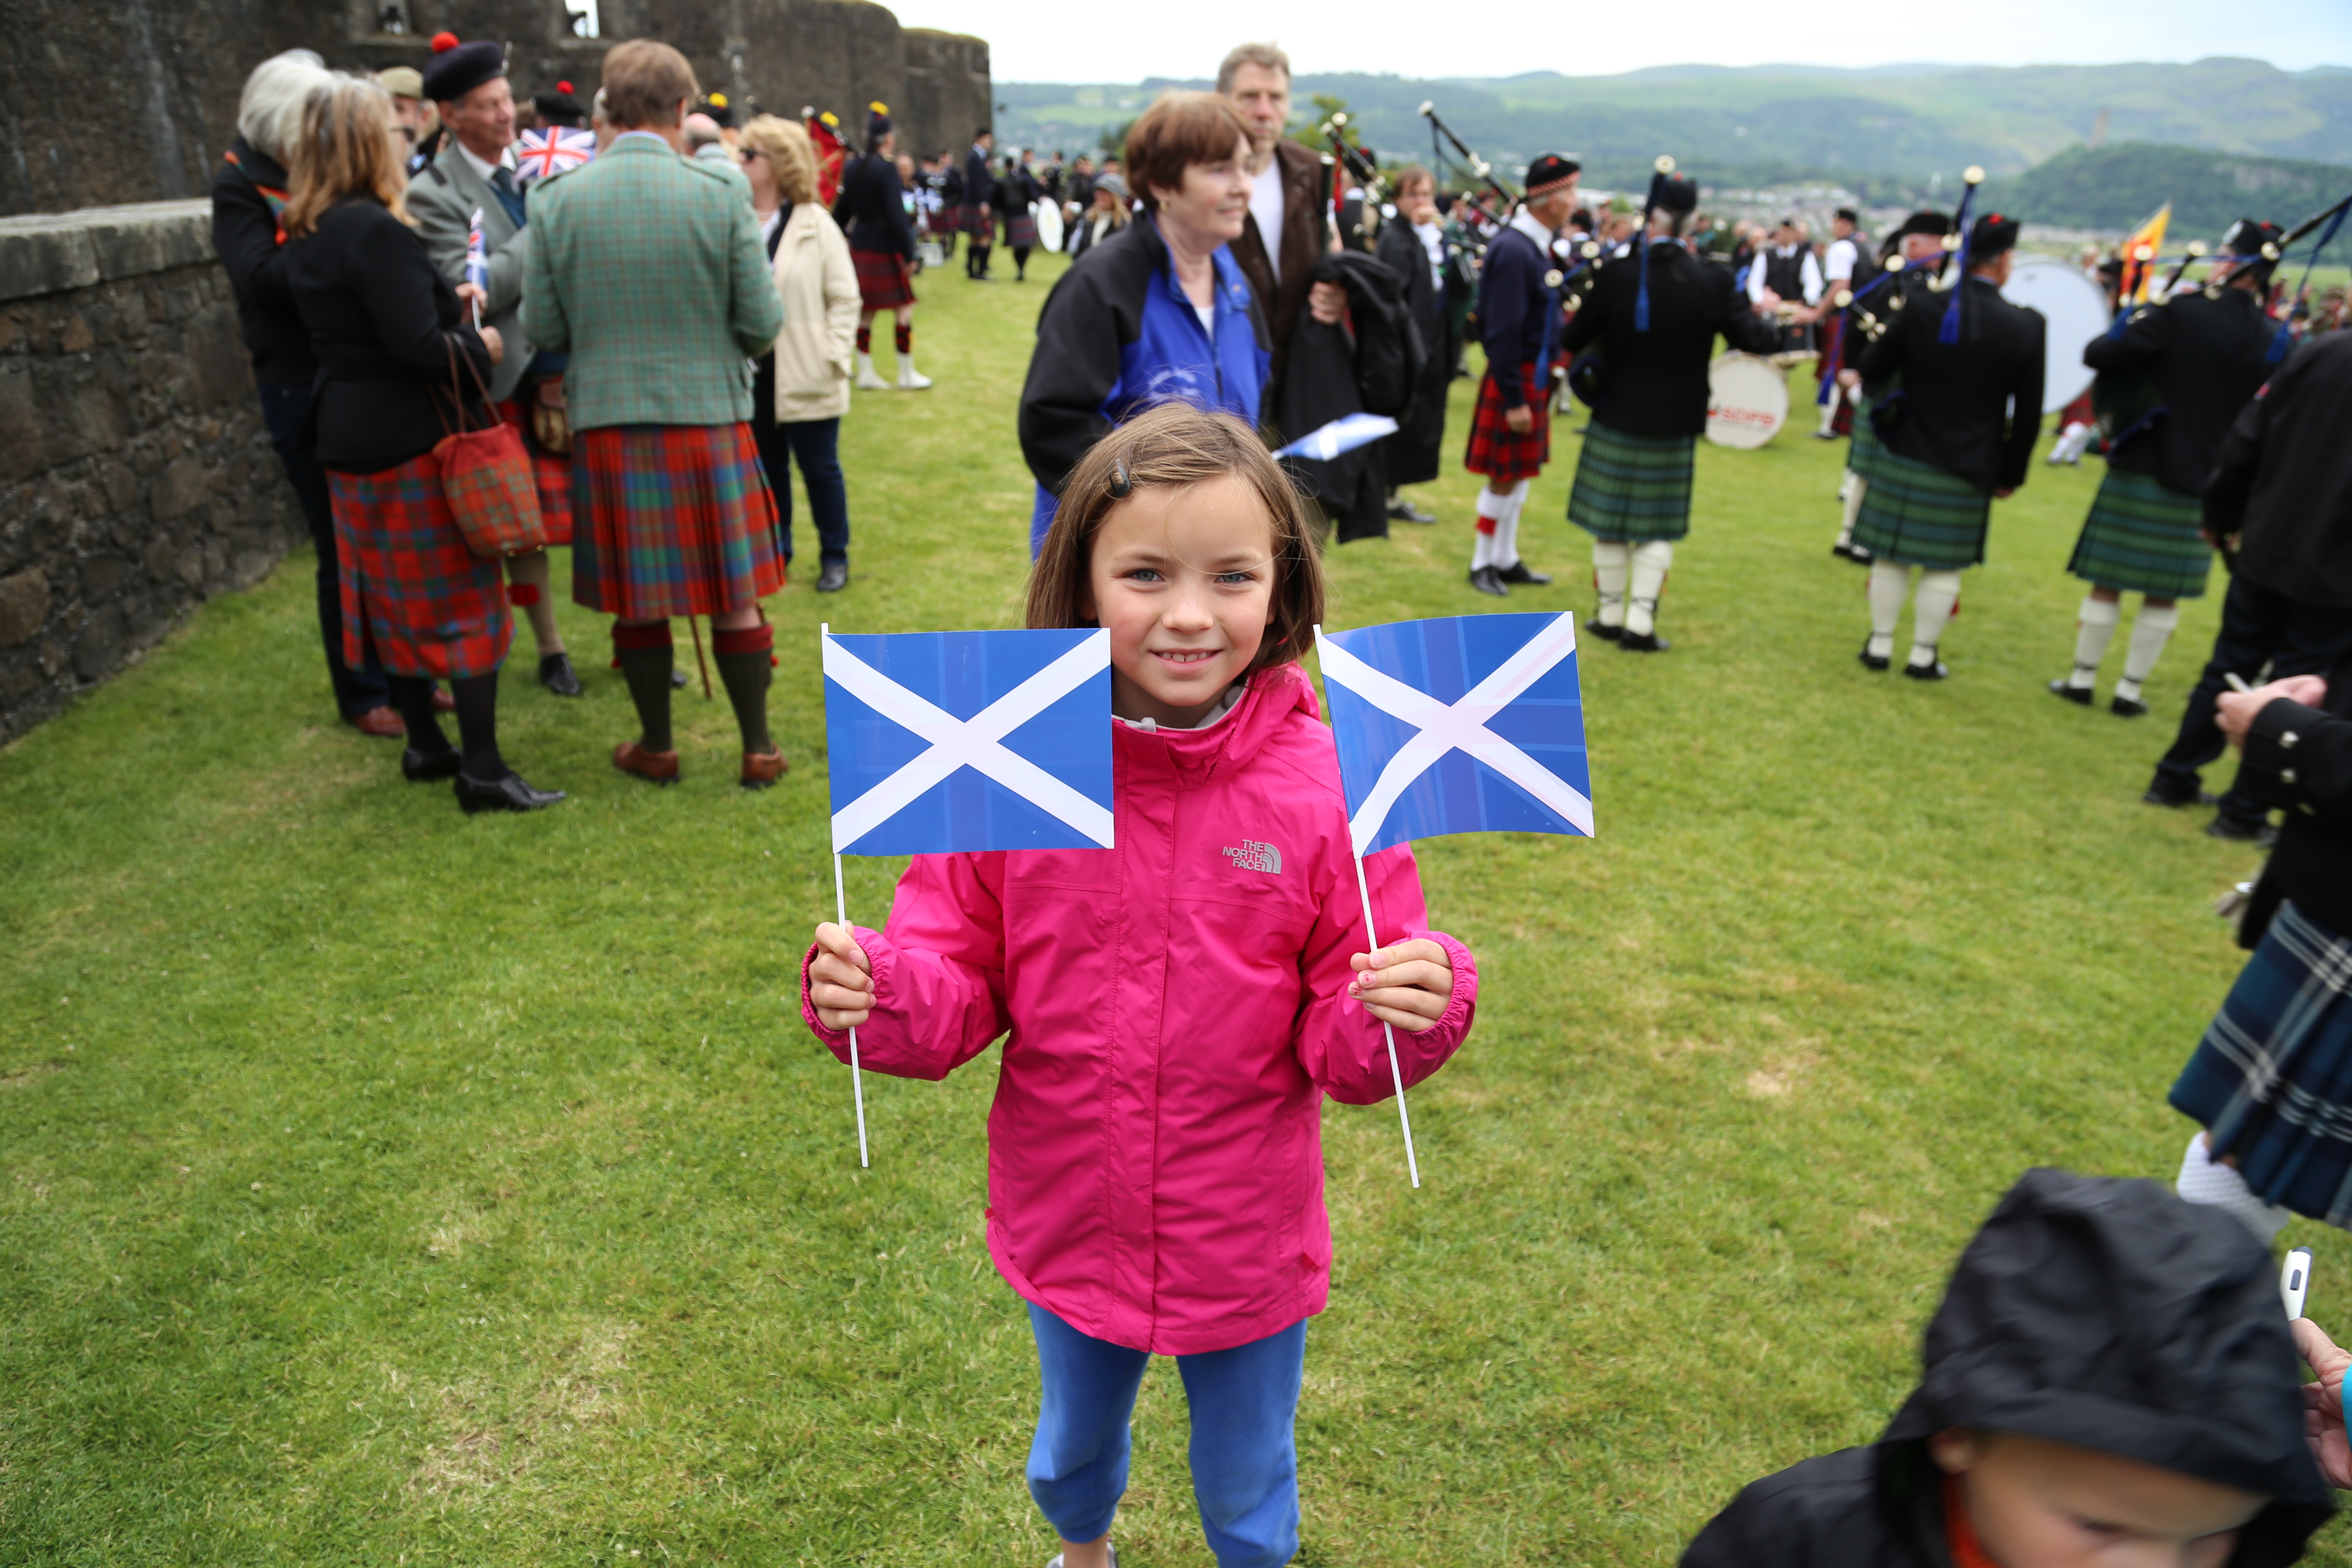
1747 400
2076 309
1048 212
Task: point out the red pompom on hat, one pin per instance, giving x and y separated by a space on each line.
563 87
443 42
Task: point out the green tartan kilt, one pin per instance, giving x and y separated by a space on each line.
2142 535
1918 515
1632 488
1866 449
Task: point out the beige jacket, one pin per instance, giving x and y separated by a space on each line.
818 284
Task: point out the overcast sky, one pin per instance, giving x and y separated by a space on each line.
1029 41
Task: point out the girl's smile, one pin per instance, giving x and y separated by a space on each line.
1183 580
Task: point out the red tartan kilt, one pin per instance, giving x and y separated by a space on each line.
677 520
552 473
976 222
1497 453
883 282
412 587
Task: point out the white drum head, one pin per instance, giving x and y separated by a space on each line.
1049 222
1747 400
2076 309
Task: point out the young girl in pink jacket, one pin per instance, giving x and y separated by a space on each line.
1174 1009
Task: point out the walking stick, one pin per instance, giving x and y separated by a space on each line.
695 628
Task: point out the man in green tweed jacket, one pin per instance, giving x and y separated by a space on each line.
647 268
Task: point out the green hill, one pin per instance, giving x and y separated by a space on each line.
2115 187
1887 131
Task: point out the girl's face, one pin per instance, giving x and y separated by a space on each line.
1183 580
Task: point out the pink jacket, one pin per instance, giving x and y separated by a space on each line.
1155 1155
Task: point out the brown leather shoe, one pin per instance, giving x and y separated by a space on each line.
653 767
381 722
762 769
442 701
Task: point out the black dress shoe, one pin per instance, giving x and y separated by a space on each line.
833 578
1936 670
2158 796
555 673
1642 642
1858 555
2128 708
1402 511
1876 663
1520 572
425 767
1606 634
1486 580
509 794
2239 830
678 678
2078 695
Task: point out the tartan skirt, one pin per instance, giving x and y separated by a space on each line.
1863 457
1497 453
2271 1080
552 474
1915 514
1633 489
2142 535
412 590
883 281
680 521
1020 230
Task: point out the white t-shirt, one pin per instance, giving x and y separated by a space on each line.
1208 315
1265 211
1839 264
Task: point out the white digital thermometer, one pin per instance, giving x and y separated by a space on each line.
2294 1281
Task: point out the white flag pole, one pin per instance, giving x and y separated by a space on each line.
841 912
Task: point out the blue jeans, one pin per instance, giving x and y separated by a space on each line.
1244 1452
284 409
815 446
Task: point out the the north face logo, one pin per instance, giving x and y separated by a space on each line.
1253 856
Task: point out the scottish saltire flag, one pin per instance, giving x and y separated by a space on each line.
967 741
478 256
1471 725
538 153
1342 434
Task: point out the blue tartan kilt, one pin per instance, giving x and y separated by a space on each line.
2142 535
1915 514
1632 489
2271 1080
1867 449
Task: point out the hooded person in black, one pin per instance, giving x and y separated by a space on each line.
2101 1321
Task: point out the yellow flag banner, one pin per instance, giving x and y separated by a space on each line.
2139 253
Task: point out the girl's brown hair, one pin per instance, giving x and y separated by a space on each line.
345 150
785 146
1178 445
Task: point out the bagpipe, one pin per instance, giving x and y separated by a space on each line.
1870 309
1361 166
1491 208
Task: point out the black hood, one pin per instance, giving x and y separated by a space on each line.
2110 1315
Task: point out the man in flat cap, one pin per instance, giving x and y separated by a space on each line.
411 115
475 172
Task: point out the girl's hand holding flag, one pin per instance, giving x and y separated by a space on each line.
1407 984
840 979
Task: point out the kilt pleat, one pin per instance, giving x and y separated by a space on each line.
552 474
883 281
1633 489
1498 452
2142 535
412 588
680 521
2271 1080
1867 449
1915 514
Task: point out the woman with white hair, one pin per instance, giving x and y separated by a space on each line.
248 198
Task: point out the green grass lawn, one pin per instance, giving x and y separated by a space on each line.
386 1186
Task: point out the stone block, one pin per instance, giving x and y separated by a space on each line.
97 647
75 335
44 258
24 445
216 354
24 607
101 575
178 490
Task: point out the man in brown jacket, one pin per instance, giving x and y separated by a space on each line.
1286 231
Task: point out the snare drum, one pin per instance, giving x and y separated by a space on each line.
1747 400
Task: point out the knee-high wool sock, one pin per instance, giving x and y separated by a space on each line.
747 664
1851 494
2094 625
1932 609
526 580
865 338
1612 558
1506 526
903 336
477 726
2151 629
1889 584
1491 508
645 656
412 698
1652 561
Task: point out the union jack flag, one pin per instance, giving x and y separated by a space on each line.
551 152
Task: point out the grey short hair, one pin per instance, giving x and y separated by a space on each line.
1267 56
270 115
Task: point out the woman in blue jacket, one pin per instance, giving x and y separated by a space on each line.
1157 311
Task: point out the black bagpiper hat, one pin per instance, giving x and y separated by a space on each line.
1925 221
2255 242
1994 232
459 68
560 107
1550 173
717 108
877 122
1677 194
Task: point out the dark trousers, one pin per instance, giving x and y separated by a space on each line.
815 445
284 410
2259 627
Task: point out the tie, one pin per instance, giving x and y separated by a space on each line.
502 182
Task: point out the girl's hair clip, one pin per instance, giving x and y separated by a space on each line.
1121 487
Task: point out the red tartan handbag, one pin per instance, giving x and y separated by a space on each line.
486 478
